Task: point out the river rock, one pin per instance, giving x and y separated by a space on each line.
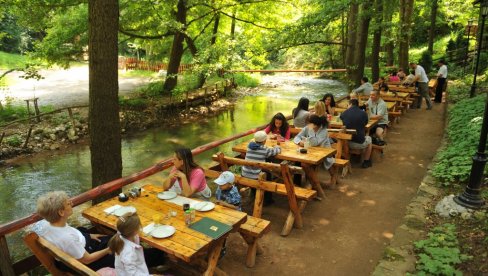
447 207
72 136
38 131
52 136
54 146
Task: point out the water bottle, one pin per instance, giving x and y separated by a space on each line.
306 144
187 217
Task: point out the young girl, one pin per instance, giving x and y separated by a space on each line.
300 113
319 109
130 257
330 104
279 128
186 177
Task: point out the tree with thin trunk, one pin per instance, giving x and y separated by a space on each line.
406 10
362 41
105 137
351 38
433 18
375 53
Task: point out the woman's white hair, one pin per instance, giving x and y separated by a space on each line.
49 205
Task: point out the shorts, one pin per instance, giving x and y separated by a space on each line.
373 129
365 144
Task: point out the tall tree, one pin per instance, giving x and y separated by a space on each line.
389 41
351 37
105 137
362 41
375 53
433 19
406 10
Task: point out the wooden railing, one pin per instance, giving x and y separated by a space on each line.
132 63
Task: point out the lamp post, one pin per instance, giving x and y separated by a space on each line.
470 24
471 197
484 13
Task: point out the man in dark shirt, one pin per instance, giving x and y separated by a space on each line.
355 118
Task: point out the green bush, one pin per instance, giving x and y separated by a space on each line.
133 103
12 112
426 61
463 132
152 89
14 140
246 80
439 253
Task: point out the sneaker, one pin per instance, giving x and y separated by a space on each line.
366 164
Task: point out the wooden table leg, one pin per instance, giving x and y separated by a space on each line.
258 203
290 220
213 257
316 184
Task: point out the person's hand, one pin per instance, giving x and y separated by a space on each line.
301 144
96 237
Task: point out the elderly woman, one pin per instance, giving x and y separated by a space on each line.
90 249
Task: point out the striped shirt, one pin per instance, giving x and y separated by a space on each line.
257 152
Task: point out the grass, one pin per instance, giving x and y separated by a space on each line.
139 73
439 49
9 61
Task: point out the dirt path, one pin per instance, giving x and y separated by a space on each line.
62 88
346 234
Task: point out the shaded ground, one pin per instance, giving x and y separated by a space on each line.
347 232
62 88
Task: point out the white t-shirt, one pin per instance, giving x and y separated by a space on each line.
68 239
419 71
131 260
442 73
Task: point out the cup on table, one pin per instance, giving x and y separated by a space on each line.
157 218
329 117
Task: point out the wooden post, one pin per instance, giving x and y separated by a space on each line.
290 192
217 87
28 109
70 113
28 136
213 257
36 110
186 107
205 96
5 262
223 164
1 137
290 220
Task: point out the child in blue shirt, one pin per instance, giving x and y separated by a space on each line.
227 194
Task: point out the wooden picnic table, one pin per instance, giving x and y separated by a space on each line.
343 105
315 156
336 122
185 244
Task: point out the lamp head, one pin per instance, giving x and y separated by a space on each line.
484 8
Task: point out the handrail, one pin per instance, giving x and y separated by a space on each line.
113 185
289 71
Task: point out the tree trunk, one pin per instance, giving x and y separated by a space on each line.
406 10
176 49
362 41
343 40
215 29
105 137
389 46
351 38
233 24
375 54
433 17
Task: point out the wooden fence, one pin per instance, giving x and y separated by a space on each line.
131 63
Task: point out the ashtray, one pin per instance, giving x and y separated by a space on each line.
303 150
123 197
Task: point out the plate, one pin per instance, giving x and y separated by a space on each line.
167 195
124 210
163 231
203 206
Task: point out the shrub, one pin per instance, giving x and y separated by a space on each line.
133 103
439 253
426 61
14 140
463 131
246 80
12 112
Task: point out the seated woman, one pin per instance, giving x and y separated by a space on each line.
300 113
382 86
319 109
187 178
279 128
393 77
89 249
317 136
354 95
401 75
330 104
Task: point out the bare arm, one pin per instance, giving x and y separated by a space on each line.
186 189
88 258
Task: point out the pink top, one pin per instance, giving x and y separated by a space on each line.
394 78
277 131
196 181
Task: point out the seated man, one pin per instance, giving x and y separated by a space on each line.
377 110
355 118
365 87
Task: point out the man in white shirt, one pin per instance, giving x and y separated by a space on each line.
365 87
441 80
422 81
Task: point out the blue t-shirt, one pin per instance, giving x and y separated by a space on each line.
230 196
355 118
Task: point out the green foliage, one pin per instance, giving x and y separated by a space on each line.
9 61
247 80
139 73
465 119
426 61
14 140
133 103
439 253
12 112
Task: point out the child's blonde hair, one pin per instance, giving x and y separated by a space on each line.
355 95
319 108
127 226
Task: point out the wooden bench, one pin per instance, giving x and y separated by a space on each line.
251 232
294 194
46 252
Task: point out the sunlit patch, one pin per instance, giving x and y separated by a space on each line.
368 202
343 188
352 193
421 165
387 235
324 222
412 157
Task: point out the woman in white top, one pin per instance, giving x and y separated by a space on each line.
130 256
300 113
90 249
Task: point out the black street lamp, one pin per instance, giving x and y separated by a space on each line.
484 13
471 197
470 24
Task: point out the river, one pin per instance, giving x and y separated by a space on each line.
21 184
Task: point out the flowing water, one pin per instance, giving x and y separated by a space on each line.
22 184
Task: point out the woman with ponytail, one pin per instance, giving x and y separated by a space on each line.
130 256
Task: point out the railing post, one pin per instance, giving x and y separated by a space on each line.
205 96
6 267
186 107
70 113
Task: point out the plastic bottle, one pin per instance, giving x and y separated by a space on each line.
187 217
306 144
